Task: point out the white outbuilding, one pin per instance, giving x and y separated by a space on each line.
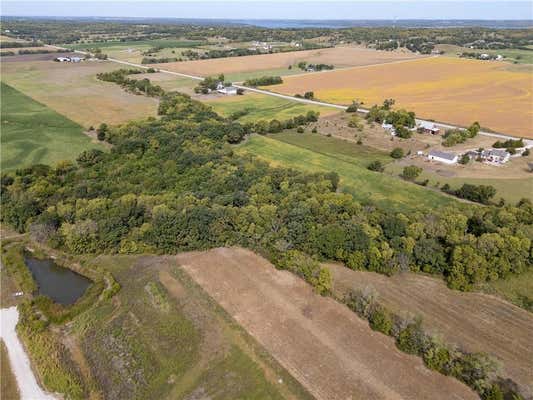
443 157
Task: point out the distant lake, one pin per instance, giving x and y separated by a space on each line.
60 284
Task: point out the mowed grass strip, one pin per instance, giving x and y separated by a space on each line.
34 134
264 107
366 186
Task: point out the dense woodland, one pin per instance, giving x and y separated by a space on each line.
175 184
386 38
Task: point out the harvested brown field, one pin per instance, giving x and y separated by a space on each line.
452 90
74 91
473 321
324 345
338 56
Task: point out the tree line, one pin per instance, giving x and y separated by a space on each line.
174 183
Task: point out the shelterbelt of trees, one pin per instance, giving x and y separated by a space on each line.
174 184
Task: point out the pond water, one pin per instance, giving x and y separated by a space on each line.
60 284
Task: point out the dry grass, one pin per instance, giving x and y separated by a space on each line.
74 91
474 321
445 89
323 344
338 56
8 384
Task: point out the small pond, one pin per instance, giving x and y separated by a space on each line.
60 284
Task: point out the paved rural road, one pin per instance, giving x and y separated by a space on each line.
283 96
20 363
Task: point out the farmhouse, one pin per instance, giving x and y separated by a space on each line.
389 127
442 156
495 155
68 59
228 90
428 127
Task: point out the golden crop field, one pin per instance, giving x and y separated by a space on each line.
338 56
452 90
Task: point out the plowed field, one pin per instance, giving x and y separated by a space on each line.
324 345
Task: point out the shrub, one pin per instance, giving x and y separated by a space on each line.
380 320
411 339
397 153
352 107
300 129
411 172
376 166
263 81
525 153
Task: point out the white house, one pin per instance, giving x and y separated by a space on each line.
389 127
227 90
443 157
495 155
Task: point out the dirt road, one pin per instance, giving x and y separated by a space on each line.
324 345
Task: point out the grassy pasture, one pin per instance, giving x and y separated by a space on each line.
134 43
74 91
165 331
264 107
517 289
340 157
511 185
520 56
32 133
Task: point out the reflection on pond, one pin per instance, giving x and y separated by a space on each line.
60 284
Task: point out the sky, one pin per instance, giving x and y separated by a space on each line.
275 9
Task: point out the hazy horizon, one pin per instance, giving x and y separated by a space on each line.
275 10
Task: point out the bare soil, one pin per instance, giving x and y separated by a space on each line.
324 345
472 321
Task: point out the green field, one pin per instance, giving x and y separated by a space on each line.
264 107
511 190
517 289
520 56
33 133
366 186
134 43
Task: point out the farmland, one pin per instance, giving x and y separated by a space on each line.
474 321
34 134
338 56
260 106
461 91
364 185
332 352
162 329
520 56
74 91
